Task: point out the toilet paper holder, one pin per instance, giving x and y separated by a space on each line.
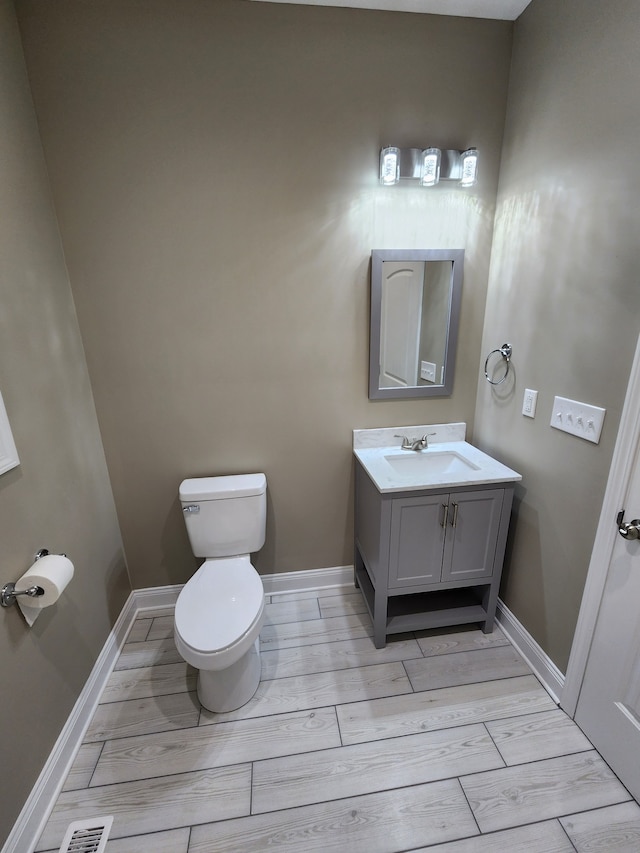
8 592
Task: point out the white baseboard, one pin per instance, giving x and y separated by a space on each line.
35 813
153 598
307 580
156 597
542 665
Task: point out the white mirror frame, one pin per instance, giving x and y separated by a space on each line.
8 453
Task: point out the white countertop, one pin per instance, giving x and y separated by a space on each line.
481 469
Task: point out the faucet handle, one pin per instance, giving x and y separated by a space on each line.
424 441
406 443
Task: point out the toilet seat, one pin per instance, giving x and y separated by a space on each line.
219 613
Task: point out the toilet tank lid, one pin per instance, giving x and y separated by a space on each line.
216 488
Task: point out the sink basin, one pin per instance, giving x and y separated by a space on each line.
430 463
443 465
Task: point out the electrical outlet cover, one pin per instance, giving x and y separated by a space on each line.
529 403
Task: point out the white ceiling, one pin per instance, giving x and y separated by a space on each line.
506 10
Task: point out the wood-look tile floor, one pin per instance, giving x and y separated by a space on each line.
441 741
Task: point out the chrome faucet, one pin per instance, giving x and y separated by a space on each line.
415 443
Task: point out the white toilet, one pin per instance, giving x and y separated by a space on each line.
220 610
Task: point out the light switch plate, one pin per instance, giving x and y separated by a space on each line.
576 418
428 371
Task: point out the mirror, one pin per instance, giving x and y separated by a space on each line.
415 308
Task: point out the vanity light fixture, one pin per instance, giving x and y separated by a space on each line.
389 166
428 166
469 160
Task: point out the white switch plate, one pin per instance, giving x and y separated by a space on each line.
529 403
428 371
576 418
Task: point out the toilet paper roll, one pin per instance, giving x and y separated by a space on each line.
52 572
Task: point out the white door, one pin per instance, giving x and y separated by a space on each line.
401 322
608 708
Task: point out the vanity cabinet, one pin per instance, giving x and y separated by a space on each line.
429 558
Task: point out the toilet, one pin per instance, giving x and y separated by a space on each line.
220 610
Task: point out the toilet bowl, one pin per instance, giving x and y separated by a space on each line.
218 617
220 610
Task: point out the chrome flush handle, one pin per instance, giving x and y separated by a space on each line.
191 508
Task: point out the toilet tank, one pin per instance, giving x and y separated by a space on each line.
225 516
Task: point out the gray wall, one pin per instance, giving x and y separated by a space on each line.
563 289
214 167
59 497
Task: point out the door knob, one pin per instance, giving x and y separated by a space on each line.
628 529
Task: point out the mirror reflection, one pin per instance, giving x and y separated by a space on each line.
415 305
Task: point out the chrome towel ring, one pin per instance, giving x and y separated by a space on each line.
505 351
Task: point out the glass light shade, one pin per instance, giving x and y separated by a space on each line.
389 166
469 162
430 167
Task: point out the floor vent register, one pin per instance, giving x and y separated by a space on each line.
87 836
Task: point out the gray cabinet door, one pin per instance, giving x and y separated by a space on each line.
472 533
417 540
